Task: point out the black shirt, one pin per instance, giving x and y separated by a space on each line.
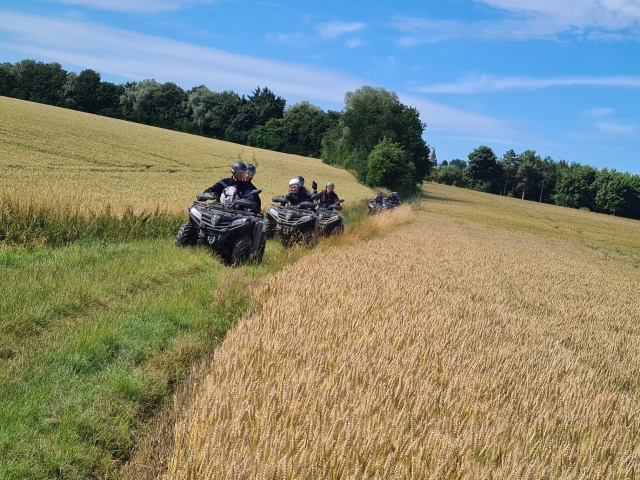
327 198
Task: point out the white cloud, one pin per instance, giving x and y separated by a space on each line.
138 56
134 6
332 30
491 83
601 20
609 14
599 112
611 127
295 39
421 30
353 42
445 118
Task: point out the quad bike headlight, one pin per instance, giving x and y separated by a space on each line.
240 221
306 218
273 211
196 213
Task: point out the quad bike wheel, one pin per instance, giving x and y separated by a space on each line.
241 250
187 235
308 235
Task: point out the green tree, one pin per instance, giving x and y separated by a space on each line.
450 174
482 172
40 82
547 177
81 91
575 187
271 136
389 166
153 103
461 164
615 193
509 164
8 80
529 171
371 114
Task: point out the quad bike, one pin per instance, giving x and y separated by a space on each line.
229 228
292 223
373 207
330 222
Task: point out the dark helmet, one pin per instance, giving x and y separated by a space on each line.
330 184
238 167
301 180
251 168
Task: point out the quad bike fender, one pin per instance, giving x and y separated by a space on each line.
257 236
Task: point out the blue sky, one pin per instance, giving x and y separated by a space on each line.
558 77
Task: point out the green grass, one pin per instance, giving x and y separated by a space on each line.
93 338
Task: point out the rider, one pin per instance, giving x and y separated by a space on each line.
328 196
302 187
238 173
296 193
393 199
251 171
378 199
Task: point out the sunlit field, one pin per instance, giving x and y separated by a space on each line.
486 338
101 316
52 155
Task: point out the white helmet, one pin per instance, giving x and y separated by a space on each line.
294 182
229 195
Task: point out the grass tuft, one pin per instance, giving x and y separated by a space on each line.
31 225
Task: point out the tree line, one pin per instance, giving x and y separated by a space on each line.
375 135
528 176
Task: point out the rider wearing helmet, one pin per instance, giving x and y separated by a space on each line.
378 199
393 199
296 193
328 196
302 187
238 172
251 171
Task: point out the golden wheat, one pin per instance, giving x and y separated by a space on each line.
456 346
52 155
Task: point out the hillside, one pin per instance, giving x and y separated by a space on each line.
52 154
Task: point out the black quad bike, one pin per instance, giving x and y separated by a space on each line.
291 223
330 222
231 230
373 207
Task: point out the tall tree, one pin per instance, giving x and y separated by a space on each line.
370 115
509 164
547 177
482 171
529 170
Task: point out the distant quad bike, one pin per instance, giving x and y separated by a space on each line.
373 208
228 227
292 224
330 222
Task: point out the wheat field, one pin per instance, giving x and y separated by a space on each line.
483 338
50 155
